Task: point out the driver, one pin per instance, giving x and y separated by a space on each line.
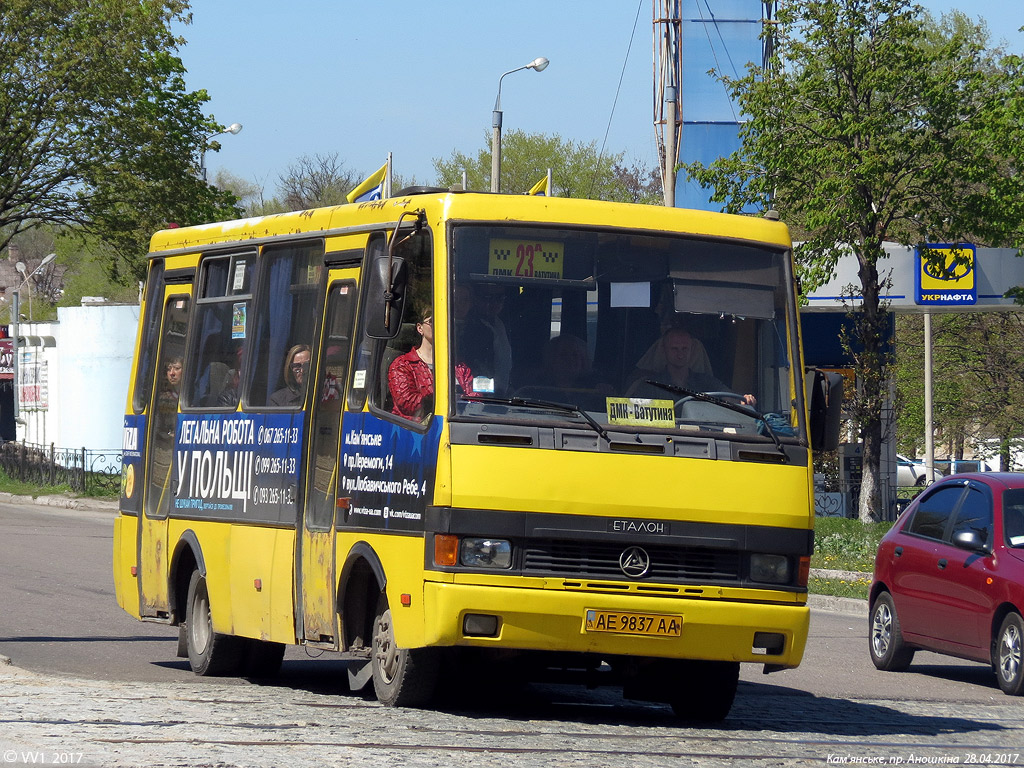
677 345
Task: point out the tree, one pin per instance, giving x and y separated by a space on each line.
313 182
977 393
97 129
577 168
873 124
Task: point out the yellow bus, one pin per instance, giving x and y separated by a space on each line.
452 427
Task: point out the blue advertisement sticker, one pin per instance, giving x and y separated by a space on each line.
132 444
387 472
238 466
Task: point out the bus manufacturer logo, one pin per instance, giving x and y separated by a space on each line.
638 526
635 562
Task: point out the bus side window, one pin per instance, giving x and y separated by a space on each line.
150 335
219 331
282 329
416 333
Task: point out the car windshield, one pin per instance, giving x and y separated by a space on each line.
628 330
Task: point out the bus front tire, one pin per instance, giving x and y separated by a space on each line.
402 677
209 652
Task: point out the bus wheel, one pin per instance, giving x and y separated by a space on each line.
402 677
704 690
209 652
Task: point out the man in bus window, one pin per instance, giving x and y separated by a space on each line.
678 347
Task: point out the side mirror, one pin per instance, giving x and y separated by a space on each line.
386 281
824 405
972 541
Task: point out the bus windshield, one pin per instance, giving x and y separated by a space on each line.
629 330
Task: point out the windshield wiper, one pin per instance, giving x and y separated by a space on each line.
531 403
746 410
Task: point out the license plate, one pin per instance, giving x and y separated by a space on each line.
656 625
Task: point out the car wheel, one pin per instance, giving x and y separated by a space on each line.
885 637
921 482
209 652
402 677
1008 662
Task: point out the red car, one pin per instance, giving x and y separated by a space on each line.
949 577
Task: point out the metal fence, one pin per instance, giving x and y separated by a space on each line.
83 470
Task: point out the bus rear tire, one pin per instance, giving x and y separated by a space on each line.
209 652
704 690
402 677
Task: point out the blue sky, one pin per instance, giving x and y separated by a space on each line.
419 79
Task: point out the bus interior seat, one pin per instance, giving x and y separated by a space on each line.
217 375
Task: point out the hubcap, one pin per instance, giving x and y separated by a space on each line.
384 651
881 630
199 623
1010 653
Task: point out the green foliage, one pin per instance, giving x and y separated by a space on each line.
99 131
843 544
874 124
857 589
19 488
577 169
976 391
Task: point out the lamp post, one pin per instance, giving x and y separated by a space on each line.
233 129
539 64
15 317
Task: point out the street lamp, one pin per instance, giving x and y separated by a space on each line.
20 266
233 129
539 64
15 310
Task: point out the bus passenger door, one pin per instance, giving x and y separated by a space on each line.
317 578
163 423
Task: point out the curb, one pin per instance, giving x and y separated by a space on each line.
62 502
850 606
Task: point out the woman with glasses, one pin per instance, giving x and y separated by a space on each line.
296 371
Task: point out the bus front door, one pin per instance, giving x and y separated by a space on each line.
317 575
163 423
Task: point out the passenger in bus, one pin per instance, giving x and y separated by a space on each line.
566 365
228 397
679 349
296 371
411 376
482 341
172 380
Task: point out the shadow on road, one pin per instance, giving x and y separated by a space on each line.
759 707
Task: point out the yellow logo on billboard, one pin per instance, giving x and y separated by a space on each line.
946 275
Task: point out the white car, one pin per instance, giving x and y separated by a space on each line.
913 472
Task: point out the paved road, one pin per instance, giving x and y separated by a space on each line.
91 686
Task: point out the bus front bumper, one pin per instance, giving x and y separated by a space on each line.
595 622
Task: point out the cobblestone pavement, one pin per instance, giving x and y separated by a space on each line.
53 720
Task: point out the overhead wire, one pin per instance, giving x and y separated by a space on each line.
618 89
725 48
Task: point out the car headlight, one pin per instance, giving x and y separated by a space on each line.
485 553
772 569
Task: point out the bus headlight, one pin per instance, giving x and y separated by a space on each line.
772 569
485 553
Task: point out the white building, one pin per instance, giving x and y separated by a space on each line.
74 375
